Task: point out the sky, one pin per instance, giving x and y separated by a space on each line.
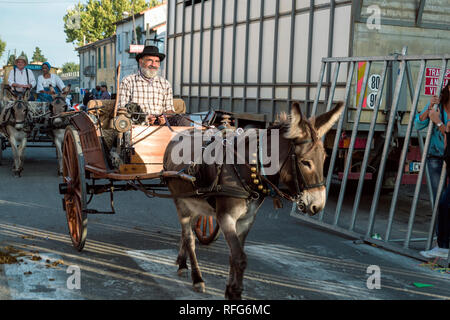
27 24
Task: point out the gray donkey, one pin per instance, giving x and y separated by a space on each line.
15 125
234 193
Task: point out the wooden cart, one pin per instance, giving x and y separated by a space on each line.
89 168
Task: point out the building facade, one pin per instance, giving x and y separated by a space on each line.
150 27
98 64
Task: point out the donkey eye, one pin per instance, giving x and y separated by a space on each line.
306 163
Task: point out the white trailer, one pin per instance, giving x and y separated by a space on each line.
257 56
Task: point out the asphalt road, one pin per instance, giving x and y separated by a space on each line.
131 255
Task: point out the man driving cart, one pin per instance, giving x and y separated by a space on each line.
150 91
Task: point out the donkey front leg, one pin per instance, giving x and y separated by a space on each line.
184 209
58 139
228 212
18 141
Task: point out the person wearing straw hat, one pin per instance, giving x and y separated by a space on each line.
48 84
150 91
20 78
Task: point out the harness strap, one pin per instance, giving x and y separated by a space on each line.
219 190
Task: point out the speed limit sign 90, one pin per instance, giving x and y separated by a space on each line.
371 99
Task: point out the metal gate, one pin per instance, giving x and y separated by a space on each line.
382 222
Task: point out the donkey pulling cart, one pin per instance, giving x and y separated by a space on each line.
106 151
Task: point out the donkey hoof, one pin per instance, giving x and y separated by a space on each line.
182 272
199 287
232 295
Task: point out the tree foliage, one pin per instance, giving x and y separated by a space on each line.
94 20
11 60
38 56
70 67
2 47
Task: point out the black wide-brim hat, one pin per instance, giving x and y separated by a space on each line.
150 51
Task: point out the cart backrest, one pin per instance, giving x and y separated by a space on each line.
179 106
90 138
104 109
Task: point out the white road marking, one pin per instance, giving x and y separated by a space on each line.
309 274
289 276
164 273
35 281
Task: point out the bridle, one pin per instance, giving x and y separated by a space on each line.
52 107
299 188
53 113
13 113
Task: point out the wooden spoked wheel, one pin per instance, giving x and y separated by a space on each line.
206 229
75 197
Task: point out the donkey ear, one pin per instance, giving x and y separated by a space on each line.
65 92
26 95
325 121
296 114
9 95
295 128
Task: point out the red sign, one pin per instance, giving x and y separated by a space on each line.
136 48
432 80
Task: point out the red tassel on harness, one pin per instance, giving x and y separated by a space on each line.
277 204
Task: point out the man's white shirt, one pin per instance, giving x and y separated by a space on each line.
21 78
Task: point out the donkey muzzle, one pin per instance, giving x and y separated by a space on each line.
19 126
57 122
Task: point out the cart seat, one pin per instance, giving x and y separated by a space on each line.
179 106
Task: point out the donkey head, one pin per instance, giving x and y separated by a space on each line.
58 106
19 107
302 171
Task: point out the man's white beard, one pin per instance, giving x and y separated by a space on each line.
149 73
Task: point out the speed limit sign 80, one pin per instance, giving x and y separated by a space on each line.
374 82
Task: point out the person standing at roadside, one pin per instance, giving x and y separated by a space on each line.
439 117
441 134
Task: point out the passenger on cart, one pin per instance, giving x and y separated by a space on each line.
20 78
150 91
48 84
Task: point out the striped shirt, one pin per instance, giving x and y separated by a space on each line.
153 96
